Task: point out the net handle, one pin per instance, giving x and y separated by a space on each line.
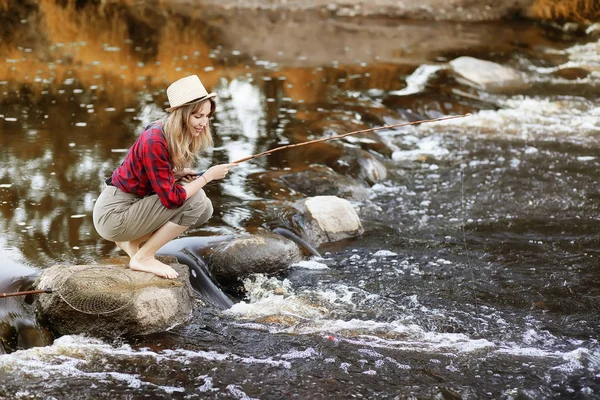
13 294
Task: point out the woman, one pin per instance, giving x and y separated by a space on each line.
144 200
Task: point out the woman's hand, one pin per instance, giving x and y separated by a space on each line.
185 175
218 171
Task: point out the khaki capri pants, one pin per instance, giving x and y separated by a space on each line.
121 217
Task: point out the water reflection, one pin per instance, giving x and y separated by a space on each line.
81 79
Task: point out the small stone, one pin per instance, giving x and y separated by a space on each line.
572 73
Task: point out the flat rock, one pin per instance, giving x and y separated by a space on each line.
146 303
487 75
328 219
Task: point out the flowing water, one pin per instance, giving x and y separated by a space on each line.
477 275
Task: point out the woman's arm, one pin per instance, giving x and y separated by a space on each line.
213 173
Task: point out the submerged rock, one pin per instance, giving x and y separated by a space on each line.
359 164
231 261
319 180
487 75
572 73
326 219
322 181
29 334
151 304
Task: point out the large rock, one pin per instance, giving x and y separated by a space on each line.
487 75
316 180
155 304
327 219
231 261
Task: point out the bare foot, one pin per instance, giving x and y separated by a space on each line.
154 266
128 247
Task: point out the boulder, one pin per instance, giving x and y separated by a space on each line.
321 181
267 253
150 304
327 219
361 165
487 75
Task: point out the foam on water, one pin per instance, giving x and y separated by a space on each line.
313 313
417 81
310 264
73 357
430 146
522 117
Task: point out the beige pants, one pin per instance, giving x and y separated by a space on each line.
120 216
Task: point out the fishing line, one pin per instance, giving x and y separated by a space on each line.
464 232
289 146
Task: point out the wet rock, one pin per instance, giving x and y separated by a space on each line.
362 165
325 219
30 334
265 253
487 75
155 304
317 180
369 141
323 181
344 158
572 73
7 335
593 30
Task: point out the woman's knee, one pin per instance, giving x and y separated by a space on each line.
196 211
206 213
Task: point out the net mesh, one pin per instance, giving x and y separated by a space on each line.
98 290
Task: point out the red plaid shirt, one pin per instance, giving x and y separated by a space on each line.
147 169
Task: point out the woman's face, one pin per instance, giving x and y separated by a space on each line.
199 119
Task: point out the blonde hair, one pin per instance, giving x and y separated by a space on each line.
183 146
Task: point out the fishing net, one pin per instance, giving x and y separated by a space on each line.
98 290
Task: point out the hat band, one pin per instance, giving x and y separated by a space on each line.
194 101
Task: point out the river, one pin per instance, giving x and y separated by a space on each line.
476 277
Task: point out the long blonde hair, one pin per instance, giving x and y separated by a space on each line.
183 146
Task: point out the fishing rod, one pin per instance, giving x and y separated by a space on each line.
378 128
424 121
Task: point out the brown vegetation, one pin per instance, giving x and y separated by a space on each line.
566 10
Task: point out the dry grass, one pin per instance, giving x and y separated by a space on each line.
567 10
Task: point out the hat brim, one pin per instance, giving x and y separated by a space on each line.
198 100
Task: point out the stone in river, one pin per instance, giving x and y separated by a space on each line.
487 75
233 260
361 165
319 180
153 304
327 219
571 73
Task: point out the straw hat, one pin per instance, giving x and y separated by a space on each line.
188 90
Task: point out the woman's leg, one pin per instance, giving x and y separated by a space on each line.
144 260
129 221
131 247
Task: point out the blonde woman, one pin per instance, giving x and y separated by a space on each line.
144 200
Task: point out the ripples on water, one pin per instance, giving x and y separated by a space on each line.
477 275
